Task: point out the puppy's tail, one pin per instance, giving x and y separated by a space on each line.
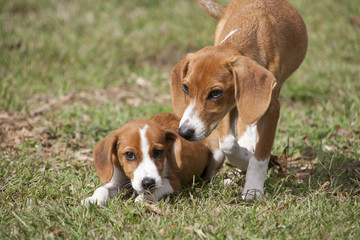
212 8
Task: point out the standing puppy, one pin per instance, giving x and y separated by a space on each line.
149 156
237 82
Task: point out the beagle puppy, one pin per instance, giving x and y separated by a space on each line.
236 83
149 156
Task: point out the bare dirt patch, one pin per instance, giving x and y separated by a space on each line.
17 129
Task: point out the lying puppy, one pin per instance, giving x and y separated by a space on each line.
151 156
236 83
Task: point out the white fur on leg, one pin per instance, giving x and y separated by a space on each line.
159 193
248 139
255 178
109 190
99 197
237 156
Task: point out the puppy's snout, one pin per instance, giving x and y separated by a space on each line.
148 183
186 132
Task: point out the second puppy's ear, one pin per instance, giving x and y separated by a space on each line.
253 88
178 97
170 136
104 151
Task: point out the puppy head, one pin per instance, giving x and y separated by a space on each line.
139 149
208 84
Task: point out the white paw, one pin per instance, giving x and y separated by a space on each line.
139 199
92 200
252 194
144 198
255 178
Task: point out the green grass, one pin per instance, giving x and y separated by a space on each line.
98 52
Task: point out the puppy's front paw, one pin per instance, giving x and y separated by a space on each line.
255 178
139 199
144 198
252 194
92 200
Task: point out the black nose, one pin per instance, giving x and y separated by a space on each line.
186 132
148 183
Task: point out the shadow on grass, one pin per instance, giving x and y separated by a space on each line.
334 173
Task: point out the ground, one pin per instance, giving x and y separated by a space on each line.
72 71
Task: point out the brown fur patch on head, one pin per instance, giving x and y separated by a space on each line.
206 70
158 138
112 149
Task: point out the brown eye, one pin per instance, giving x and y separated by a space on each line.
158 153
185 89
130 156
216 93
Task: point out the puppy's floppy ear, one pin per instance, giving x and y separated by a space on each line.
103 154
170 136
253 88
178 97
175 147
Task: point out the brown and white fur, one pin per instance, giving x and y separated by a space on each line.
150 155
236 83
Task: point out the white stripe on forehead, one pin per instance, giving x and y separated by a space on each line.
147 167
144 144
